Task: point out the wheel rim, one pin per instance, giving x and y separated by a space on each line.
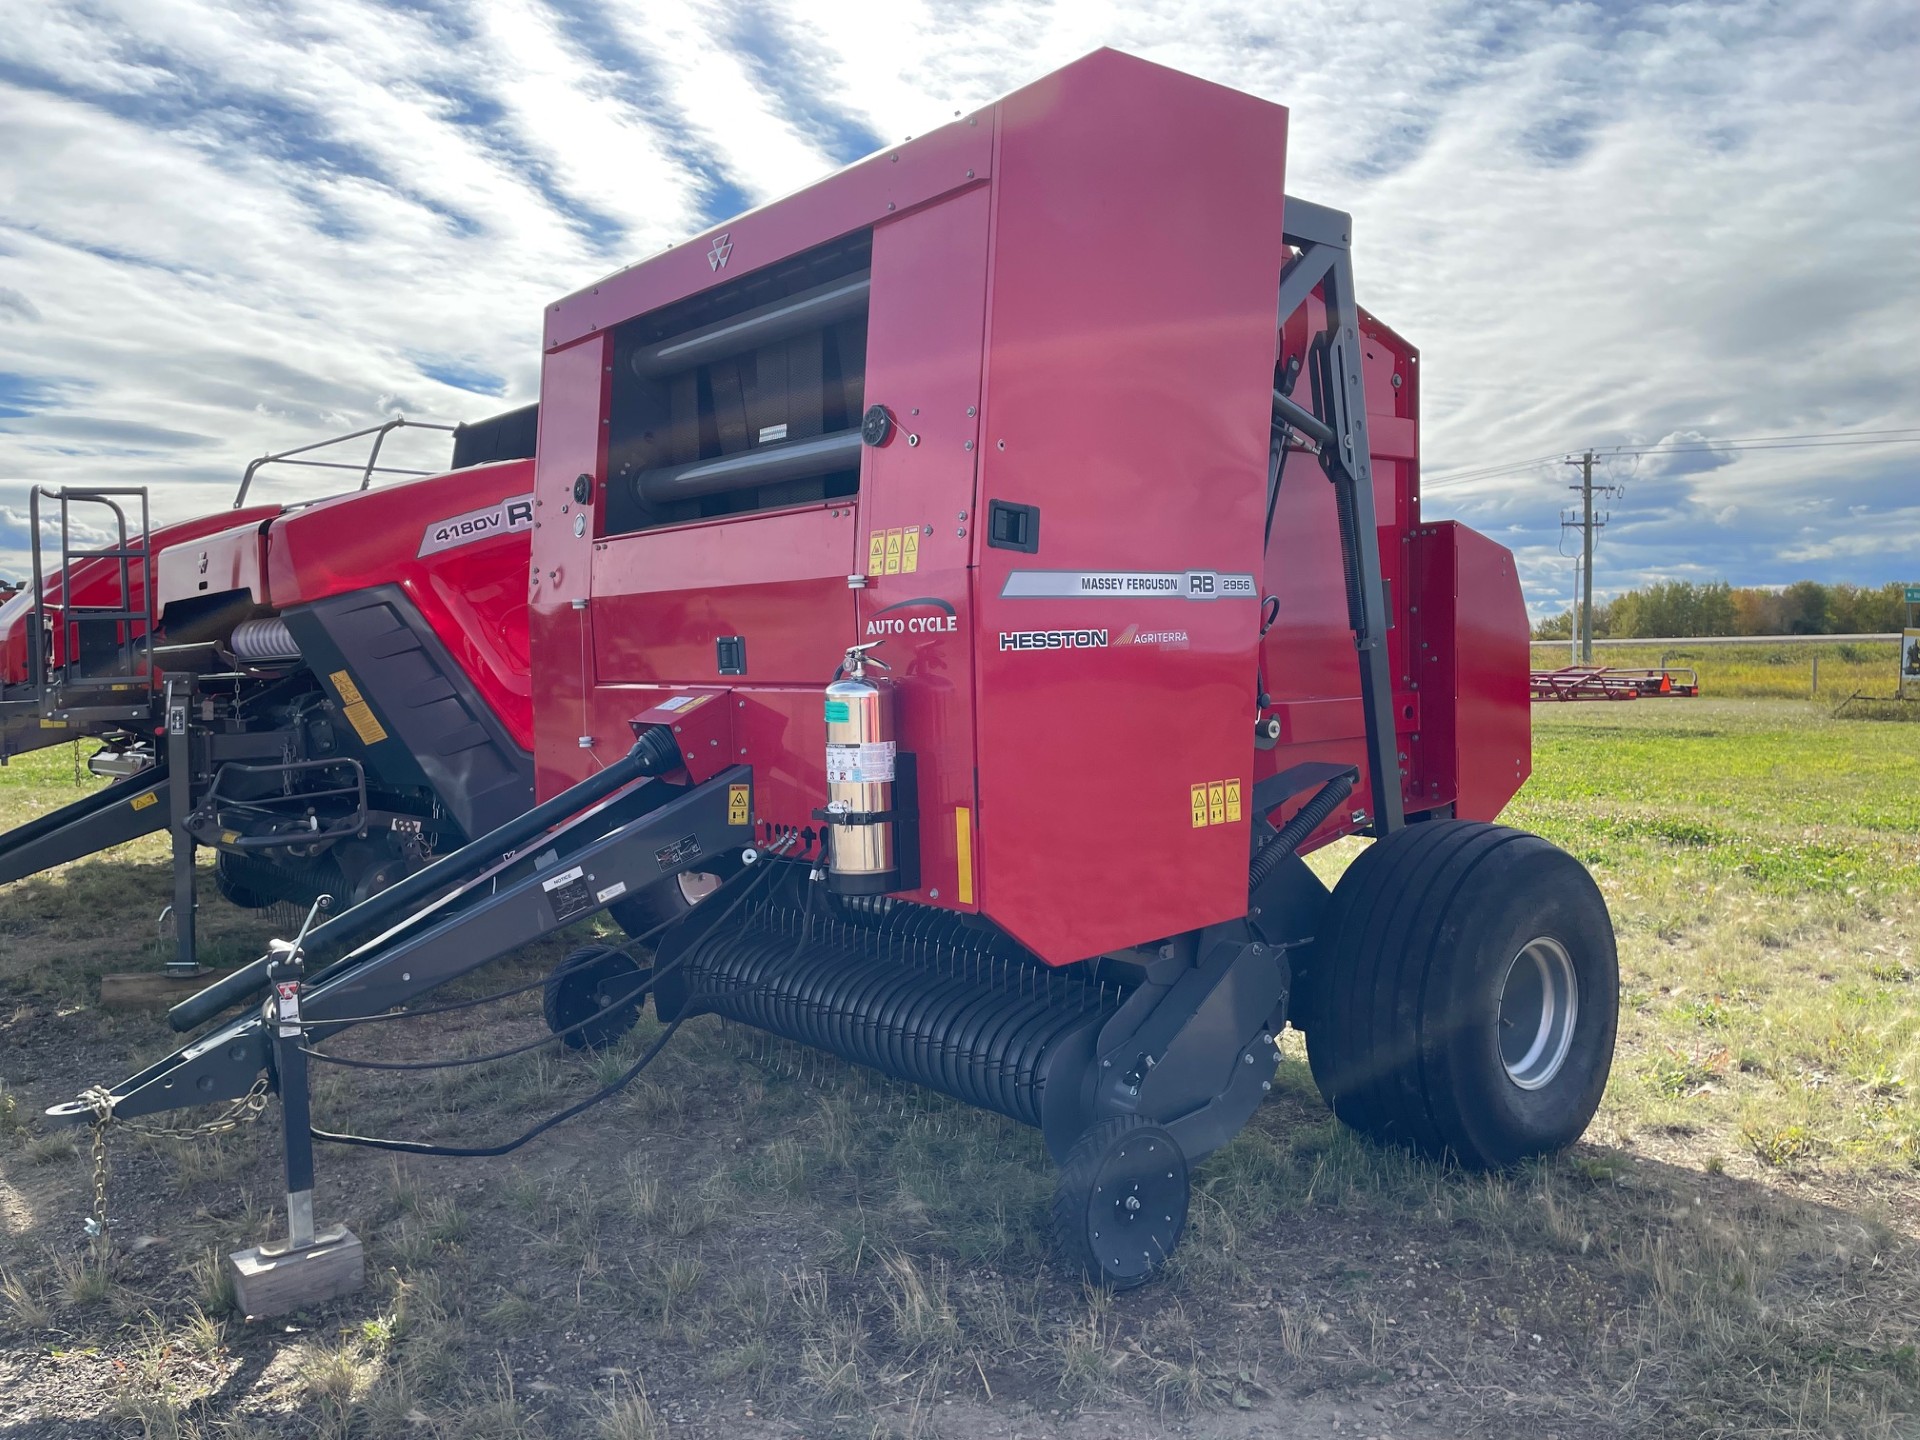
697 885
1138 1207
1539 1002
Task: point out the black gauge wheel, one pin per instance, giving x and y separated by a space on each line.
1121 1205
596 985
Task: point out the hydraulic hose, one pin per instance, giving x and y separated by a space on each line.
654 753
1290 836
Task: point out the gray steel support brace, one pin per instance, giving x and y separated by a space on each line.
433 946
290 1074
1324 237
180 768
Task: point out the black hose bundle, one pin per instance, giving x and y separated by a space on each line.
1290 836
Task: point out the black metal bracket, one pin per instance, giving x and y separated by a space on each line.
1338 423
904 817
212 823
1195 1053
1281 786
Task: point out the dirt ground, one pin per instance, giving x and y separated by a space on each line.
754 1240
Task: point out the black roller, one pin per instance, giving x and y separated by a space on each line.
763 465
813 309
913 995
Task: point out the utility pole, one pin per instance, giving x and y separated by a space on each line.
1589 527
1573 630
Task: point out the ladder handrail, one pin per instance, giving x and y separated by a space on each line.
367 471
124 553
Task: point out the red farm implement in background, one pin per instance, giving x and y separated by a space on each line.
961 593
230 667
1597 682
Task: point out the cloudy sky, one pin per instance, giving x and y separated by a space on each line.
227 228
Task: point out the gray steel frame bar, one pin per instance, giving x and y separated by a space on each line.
1324 237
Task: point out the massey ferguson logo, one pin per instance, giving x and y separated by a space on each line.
502 519
717 256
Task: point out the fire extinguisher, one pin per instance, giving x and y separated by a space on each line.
860 779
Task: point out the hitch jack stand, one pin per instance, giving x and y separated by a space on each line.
309 1268
179 750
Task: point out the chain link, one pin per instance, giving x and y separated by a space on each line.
247 1108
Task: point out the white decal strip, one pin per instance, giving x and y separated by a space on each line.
512 514
1127 585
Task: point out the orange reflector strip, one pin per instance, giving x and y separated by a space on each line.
963 837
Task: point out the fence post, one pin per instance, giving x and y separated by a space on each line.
1816 675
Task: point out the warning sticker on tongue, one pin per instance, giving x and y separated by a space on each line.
868 764
570 893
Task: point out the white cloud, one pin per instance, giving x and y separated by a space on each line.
1601 224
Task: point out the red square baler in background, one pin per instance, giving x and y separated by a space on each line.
961 591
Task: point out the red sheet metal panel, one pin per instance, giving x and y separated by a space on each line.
1475 744
573 407
891 182
779 581
917 503
1137 225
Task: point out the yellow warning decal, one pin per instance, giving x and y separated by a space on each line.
1216 802
963 839
910 550
53 724
893 552
738 798
142 802
359 714
876 552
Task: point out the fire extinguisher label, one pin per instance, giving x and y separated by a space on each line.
868 764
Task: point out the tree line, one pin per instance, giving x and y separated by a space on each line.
1682 608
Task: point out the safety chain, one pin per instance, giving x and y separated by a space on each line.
100 1101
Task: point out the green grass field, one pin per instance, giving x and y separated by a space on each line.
759 1241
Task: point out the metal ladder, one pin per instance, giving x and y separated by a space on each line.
72 683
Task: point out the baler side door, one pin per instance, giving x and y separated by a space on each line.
917 514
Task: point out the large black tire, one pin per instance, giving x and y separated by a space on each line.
1121 1203
1464 994
595 984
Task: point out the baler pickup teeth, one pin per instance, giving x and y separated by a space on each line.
904 995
